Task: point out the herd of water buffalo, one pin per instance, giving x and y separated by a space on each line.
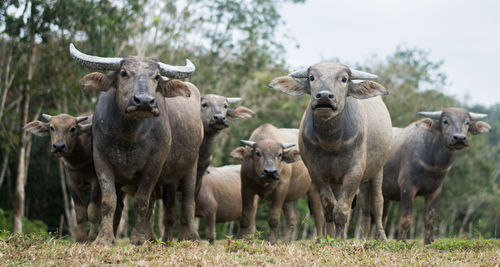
152 135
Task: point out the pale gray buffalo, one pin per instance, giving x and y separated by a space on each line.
146 132
274 172
70 139
344 140
422 155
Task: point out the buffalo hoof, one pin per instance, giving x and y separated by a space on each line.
137 239
381 236
428 241
104 240
194 237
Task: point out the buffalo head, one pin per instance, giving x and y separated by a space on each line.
329 84
64 130
266 158
454 123
216 113
136 81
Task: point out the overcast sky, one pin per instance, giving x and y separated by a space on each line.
463 33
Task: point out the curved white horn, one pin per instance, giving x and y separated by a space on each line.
46 116
361 75
247 143
477 116
95 62
287 145
303 73
80 119
233 99
177 72
432 114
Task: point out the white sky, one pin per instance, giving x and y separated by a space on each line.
463 33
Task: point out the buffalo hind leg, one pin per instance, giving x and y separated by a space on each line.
377 205
94 210
407 197
188 223
316 209
291 219
364 204
247 219
430 213
80 234
170 212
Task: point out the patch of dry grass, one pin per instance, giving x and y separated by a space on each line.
46 250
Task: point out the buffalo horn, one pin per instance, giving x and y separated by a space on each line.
477 116
46 116
177 72
432 114
94 62
361 75
287 145
299 74
80 119
247 143
233 99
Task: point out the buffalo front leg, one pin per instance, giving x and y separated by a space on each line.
274 215
118 211
316 210
430 213
142 208
247 219
328 201
291 219
210 221
106 178
345 194
377 205
94 210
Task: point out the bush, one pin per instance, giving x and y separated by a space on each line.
29 226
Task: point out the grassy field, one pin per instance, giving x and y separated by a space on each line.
42 249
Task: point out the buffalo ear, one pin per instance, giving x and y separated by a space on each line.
97 81
290 86
173 88
291 156
238 153
427 122
86 128
365 89
37 128
479 127
239 113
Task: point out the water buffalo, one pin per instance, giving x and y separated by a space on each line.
422 155
70 139
143 135
219 199
344 140
216 116
275 173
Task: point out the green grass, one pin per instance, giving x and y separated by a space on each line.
44 249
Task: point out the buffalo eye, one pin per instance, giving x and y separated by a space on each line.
445 121
72 129
204 105
280 154
311 78
123 73
344 79
257 153
467 123
225 105
52 128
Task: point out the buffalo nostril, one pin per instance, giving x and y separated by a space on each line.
318 96
152 102
331 96
136 100
455 137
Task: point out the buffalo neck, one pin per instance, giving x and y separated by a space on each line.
208 144
335 132
436 154
81 154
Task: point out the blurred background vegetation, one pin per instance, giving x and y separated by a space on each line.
237 53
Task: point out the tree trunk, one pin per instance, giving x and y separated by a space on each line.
442 228
231 225
5 165
470 209
452 221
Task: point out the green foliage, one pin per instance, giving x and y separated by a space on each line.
465 244
29 226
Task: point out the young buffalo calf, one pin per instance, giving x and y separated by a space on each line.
421 157
219 199
71 140
275 173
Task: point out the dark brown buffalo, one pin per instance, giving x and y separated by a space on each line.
216 116
275 173
219 199
143 135
422 155
344 140
70 139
